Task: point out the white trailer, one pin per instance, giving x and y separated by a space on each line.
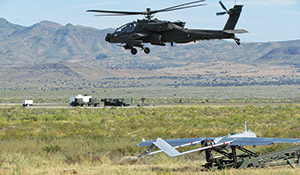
83 100
27 103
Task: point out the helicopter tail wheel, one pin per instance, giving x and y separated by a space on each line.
237 41
147 50
133 51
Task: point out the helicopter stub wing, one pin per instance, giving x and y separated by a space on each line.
139 36
136 39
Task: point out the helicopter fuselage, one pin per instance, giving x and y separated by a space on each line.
158 32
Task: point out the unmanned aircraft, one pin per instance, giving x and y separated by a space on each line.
222 145
159 32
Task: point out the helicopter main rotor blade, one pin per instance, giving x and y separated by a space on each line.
148 14
177 6
116 12
180 8
113 15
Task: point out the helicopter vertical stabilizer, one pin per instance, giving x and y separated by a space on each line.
234 15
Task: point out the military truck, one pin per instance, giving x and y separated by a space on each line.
83 100
116 102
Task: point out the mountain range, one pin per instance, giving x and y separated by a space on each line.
48 49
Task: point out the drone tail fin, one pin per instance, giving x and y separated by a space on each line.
234 15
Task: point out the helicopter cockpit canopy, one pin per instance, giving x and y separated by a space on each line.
129 27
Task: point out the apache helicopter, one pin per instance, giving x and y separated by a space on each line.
158 32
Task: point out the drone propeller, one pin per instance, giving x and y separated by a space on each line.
223 6
149 13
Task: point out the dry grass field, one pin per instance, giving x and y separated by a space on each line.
103 140
107 169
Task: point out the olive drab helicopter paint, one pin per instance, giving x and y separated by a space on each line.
158 32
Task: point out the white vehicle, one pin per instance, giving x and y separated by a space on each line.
27 103
81 100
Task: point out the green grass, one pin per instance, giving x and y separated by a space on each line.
35 138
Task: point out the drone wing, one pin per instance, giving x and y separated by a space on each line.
262 141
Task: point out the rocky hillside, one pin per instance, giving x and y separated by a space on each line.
48 50
48 42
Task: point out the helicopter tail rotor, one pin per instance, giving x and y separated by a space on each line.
234 14
221 13
223 6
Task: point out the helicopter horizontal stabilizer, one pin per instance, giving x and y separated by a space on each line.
237 31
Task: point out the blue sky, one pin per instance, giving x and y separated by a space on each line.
266 20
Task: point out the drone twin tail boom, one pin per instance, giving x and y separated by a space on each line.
158 32
221 146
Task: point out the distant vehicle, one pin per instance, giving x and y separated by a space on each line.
116 102
85 100
27 103
159 32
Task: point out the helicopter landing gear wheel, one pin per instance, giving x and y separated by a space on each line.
133 51
147 50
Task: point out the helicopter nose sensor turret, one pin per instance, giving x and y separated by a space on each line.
108 37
